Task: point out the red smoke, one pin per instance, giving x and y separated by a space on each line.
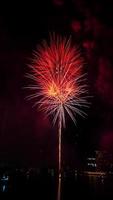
104 80
106 142
58 2
76 26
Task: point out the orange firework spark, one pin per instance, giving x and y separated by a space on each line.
58 82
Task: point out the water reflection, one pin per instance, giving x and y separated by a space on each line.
43 184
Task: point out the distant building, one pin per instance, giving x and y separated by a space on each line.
100 161
104 161
91 164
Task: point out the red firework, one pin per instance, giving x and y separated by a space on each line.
58 82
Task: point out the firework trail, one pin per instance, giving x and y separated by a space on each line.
57 83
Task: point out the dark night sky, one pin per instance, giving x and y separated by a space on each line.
25 136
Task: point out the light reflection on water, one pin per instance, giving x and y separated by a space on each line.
90 187
73 187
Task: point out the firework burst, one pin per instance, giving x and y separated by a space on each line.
58 82
57 85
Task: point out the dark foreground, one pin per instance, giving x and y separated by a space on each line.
44 186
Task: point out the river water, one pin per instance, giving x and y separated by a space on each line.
45 187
